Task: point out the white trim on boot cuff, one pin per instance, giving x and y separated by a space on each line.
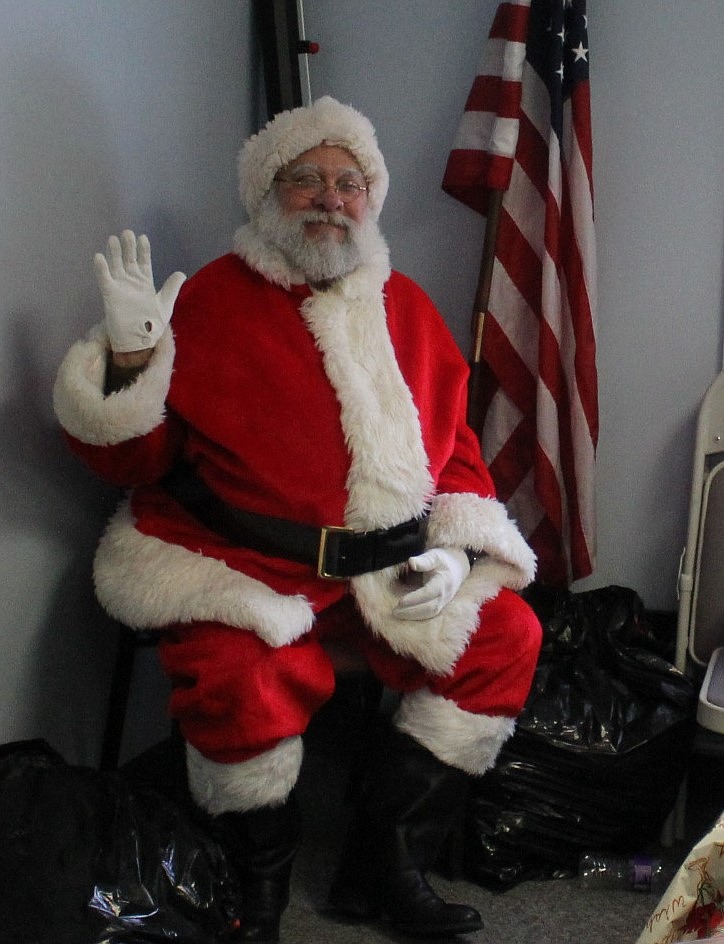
265 780
464 740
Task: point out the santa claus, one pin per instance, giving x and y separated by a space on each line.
299 470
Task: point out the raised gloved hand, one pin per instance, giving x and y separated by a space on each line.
443 569
136 316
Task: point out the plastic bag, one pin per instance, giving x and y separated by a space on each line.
86 859
600 748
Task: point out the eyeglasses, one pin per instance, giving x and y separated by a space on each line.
310 185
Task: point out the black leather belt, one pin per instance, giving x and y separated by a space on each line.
337 553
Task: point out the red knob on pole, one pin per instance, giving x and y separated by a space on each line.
308 47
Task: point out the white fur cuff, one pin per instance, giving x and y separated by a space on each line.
265 780
466 520
88 415
456 737
148 583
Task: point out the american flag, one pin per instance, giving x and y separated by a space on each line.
526 131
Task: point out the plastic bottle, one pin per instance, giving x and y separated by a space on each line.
640 873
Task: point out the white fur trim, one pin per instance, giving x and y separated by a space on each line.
464 740
435 643
291 133
457 520
148 583
84 411
265 780
466 520
388 480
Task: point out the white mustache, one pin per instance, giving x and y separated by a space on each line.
322 216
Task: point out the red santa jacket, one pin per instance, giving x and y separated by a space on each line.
337 407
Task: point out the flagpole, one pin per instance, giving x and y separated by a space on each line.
476 413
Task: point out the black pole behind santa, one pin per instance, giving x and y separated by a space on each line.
285 52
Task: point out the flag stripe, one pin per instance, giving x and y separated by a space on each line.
486 141
521 262
515 459
507 362
495 97
510 22
532 155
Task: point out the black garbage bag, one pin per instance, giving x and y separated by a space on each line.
87 859
600 748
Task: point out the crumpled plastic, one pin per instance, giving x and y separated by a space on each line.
85 858
600 748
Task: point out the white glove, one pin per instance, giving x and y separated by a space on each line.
443 569
136 316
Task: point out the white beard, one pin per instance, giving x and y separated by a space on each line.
324 259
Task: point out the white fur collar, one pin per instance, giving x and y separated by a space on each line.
389 479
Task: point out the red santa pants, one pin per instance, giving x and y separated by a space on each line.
235 697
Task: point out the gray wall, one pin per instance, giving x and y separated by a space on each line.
130 114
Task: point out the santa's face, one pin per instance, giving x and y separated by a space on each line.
317 213
326 178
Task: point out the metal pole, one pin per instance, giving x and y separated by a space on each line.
476 411
306 83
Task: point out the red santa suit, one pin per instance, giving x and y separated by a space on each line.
343 407
337 407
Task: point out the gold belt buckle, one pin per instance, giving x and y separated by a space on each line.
325 531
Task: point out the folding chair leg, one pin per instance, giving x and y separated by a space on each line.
118 699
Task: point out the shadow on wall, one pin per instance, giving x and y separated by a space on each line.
53 511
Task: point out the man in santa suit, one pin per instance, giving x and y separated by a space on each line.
300 470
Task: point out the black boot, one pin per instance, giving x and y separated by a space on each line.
260 846
409 803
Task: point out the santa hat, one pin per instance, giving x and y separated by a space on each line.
290 133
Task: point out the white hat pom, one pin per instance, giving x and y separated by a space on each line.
291 133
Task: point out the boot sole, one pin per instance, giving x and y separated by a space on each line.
373 915
468 927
